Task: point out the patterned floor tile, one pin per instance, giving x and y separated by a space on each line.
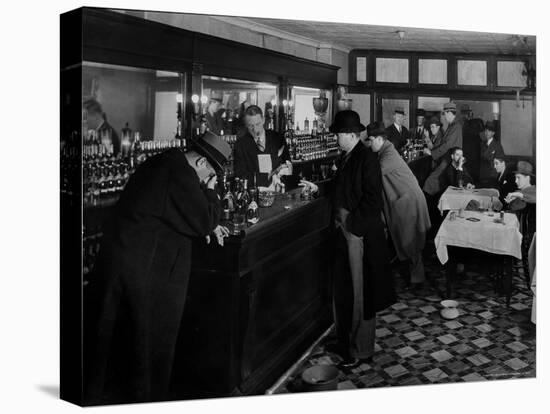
447 339
405 352
441 356
482 342
396 370
516 363
415 345
453 324
435 375
473 377
517 346
478 359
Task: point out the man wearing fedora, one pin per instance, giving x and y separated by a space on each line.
214 120
397 134
452 137
405 208
526 193
363 282
135 298
420 132
490 148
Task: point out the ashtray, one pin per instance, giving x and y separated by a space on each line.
450 309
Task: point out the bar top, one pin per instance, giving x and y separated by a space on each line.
285 206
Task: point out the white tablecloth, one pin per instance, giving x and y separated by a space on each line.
533 272
455 198
483 235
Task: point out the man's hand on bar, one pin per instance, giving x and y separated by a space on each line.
312 187
220 232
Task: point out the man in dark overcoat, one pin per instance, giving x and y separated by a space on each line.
471 130
135 299
363 281
490 148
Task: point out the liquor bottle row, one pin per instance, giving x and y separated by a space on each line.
413 150
105 179
306 147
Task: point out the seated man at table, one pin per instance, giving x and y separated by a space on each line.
506 180
455 173
405 208
260 153
526 193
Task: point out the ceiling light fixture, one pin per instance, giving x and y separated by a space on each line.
401 35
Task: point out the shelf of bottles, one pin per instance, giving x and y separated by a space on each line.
311 145
105 174
413 150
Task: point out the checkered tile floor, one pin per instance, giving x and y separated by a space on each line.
415 345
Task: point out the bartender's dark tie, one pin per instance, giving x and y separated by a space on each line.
260 144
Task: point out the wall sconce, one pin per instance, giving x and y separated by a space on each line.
179 100
196 108
401 35
496 110
204 101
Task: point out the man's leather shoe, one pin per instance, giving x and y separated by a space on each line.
350 363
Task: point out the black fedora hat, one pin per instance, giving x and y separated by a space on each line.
376 129
434 120
491 126
346 121
420 112
215 149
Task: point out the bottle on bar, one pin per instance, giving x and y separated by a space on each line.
227 200
125 141
306 125
314 127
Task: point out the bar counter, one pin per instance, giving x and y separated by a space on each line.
257 303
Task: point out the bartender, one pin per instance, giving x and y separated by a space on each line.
260 153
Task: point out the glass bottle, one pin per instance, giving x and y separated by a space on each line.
227 201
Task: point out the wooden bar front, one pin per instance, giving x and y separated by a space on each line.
257 303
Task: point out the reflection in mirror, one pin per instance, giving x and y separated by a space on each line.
302 108
388 110
145 101
128 115
225 101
